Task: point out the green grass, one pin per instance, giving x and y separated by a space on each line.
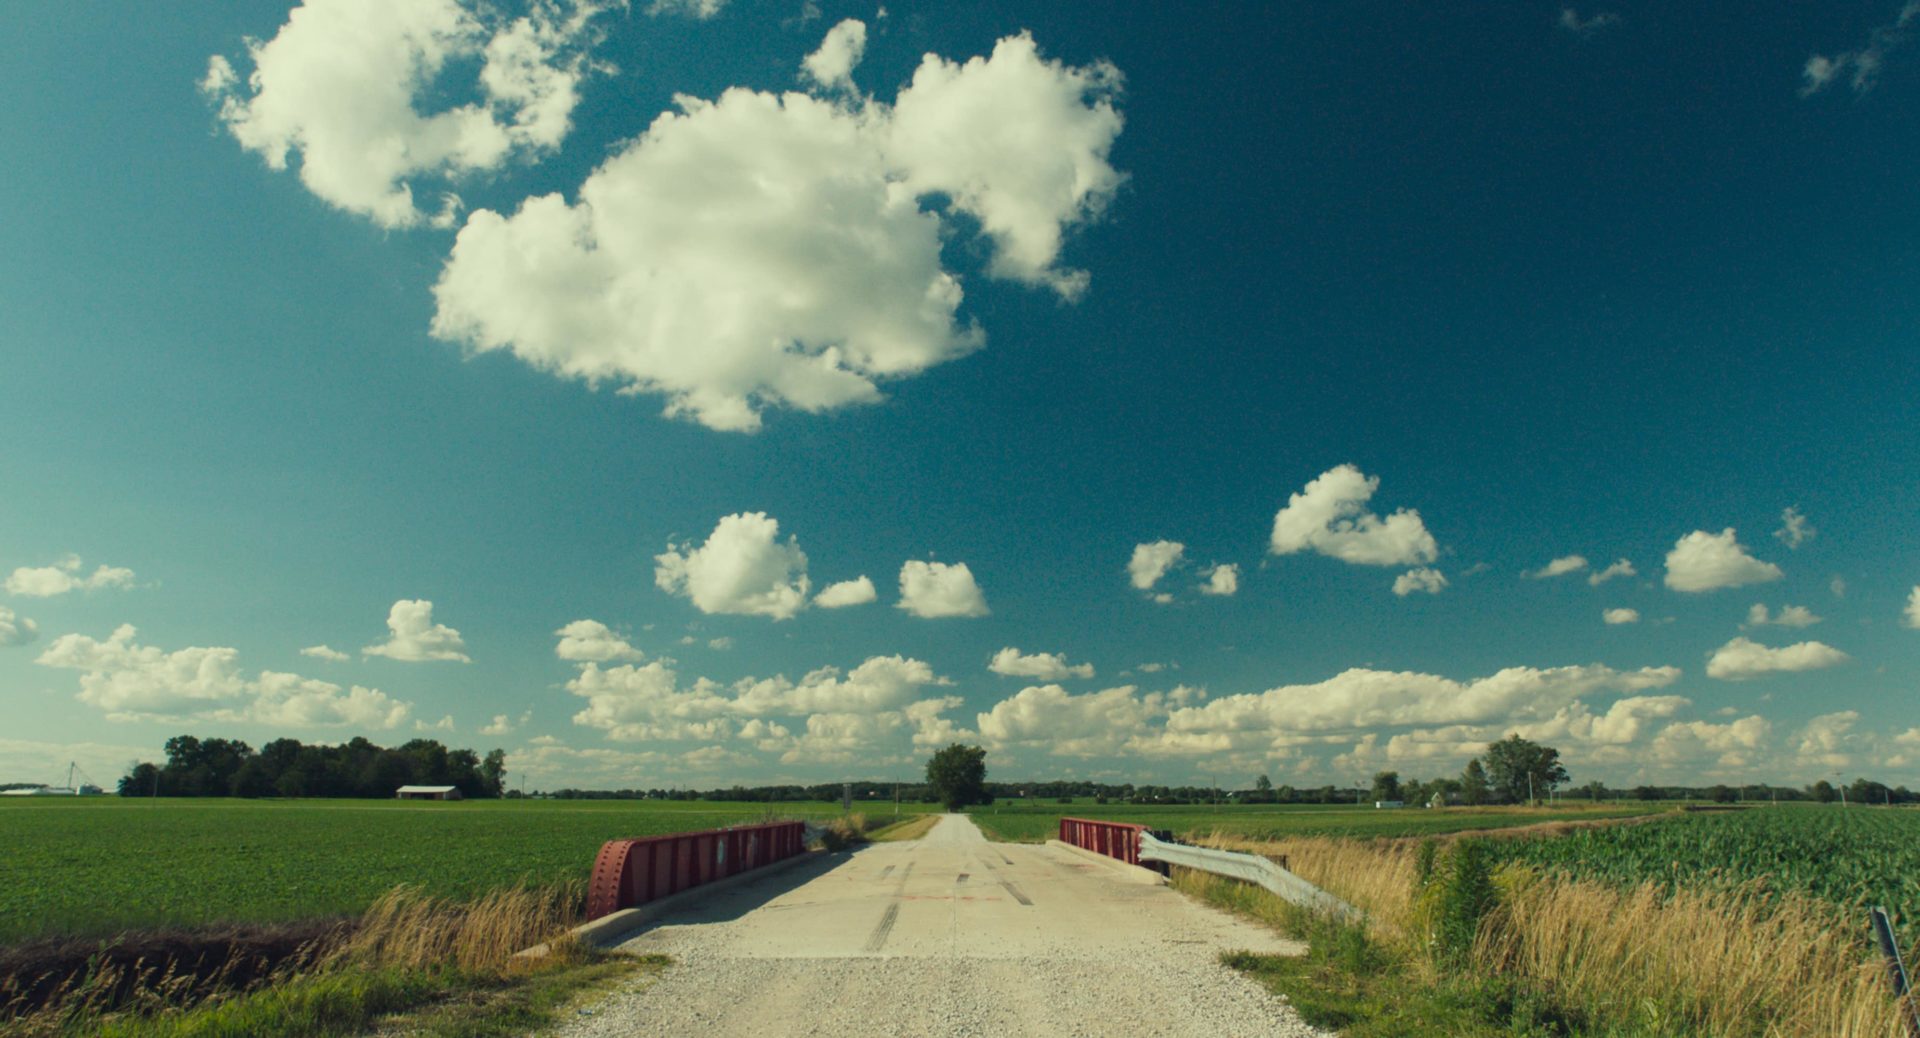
1363 988
423 1003
1037 822
92 867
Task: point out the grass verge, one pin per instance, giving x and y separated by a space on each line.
905 829
1363 987
413 964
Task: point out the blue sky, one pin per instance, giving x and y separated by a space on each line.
1023 288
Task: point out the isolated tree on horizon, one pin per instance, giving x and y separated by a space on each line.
958 776
1521 769
1473 782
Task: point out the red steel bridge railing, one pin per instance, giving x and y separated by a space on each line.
633 872
1114 839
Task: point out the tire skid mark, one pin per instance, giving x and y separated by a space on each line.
883 872
878 938
881 930
1017 895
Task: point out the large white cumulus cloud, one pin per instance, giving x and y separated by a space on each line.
743 568
760 249
342 81
1330 516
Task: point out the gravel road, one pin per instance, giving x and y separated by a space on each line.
949 936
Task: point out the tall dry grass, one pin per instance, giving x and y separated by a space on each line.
409 929
1741 962
405 930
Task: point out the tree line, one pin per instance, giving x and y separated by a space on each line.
286 768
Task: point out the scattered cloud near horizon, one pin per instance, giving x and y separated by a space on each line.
128 681
1615 617
584 641
1042 666
64 576
1743 659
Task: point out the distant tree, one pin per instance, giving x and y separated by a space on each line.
1263 784
1386 785
1648 793
1520 769
142 781
1597 790
1822 791
1473 783
1723 794
494 771
958 775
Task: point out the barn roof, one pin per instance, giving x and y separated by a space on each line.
427 789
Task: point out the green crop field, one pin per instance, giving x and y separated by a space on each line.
93 866
1855 857
1034 822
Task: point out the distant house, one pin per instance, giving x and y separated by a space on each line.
1389 803
428 793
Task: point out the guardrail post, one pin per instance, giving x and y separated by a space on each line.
1896 969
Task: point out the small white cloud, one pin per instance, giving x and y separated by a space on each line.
720 644
1558 567
1223 579
1329 516
1426 579
699 10
1621 616
325 652
1151 668
504 725
1151 561
742 569
445 724
1789 616
1703 561
1794 529
16 629
1043 666
339 84
934 589
846 593
1571 21
1162 598
590 640
1741 659
1912 615
1838 586
832 65
1821 70
65 576
1620 568
413 637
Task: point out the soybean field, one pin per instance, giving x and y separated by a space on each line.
1855 857
94 866
1022 822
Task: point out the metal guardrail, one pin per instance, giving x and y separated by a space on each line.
627 873
1248 868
